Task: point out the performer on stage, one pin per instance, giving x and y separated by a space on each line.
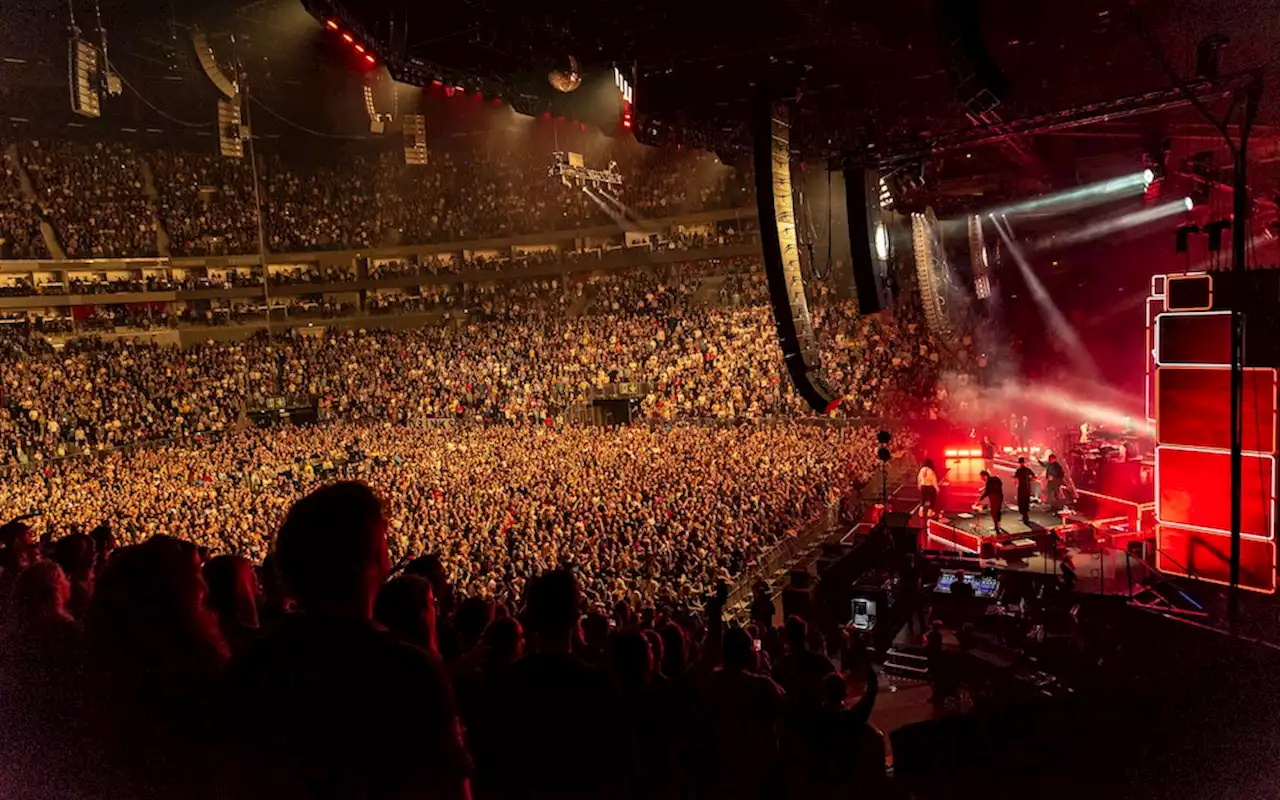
927 482
1024 476
1053 474
993 493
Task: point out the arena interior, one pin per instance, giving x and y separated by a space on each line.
805 400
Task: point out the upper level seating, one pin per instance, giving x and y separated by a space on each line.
96 196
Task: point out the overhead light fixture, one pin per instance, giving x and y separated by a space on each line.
1148 176
333 26
1188 203
882 242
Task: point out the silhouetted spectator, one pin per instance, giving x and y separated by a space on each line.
406 606
233 598
552 730
741 712
155 663
75 554
330 704
801 671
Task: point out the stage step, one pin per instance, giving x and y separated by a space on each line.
906 663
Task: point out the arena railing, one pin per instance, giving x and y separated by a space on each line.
783 554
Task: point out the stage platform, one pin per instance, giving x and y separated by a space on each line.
973 532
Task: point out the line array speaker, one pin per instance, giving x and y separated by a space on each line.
209 63
771 133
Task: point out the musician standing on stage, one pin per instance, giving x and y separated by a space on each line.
1053 474
993 493
1024 476
927 482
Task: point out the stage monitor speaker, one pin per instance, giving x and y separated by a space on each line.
771 133
209 63
869 243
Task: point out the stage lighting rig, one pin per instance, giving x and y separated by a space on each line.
572 170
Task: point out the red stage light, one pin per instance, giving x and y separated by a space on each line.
346 37
626 123
1207 556
437 83
369 58
333 26
1193 490
359 48
1189 403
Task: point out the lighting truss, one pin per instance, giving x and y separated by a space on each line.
572 170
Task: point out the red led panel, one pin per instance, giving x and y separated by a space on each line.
1193 407
1189 292
1207 556
1193 489
1193 337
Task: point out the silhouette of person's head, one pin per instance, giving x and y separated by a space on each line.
738 652
406 606
674 650
630 659
474 615
149 606
553 609
797 634
834 691
503 641
104 542
432 568
39 592
657 649
332 550
233 590
75 554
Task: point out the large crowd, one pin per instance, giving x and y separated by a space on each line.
113 199
654 513
516 355
327 669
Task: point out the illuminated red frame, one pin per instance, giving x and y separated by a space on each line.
1155 349
1211 458
1182 551
960 540
1267 405
1188 276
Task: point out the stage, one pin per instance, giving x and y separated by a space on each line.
973 532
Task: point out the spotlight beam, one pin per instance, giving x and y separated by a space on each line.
622 221
1073 199
1058 325
1097 230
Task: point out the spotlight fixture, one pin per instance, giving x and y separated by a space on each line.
882 242
1189 203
